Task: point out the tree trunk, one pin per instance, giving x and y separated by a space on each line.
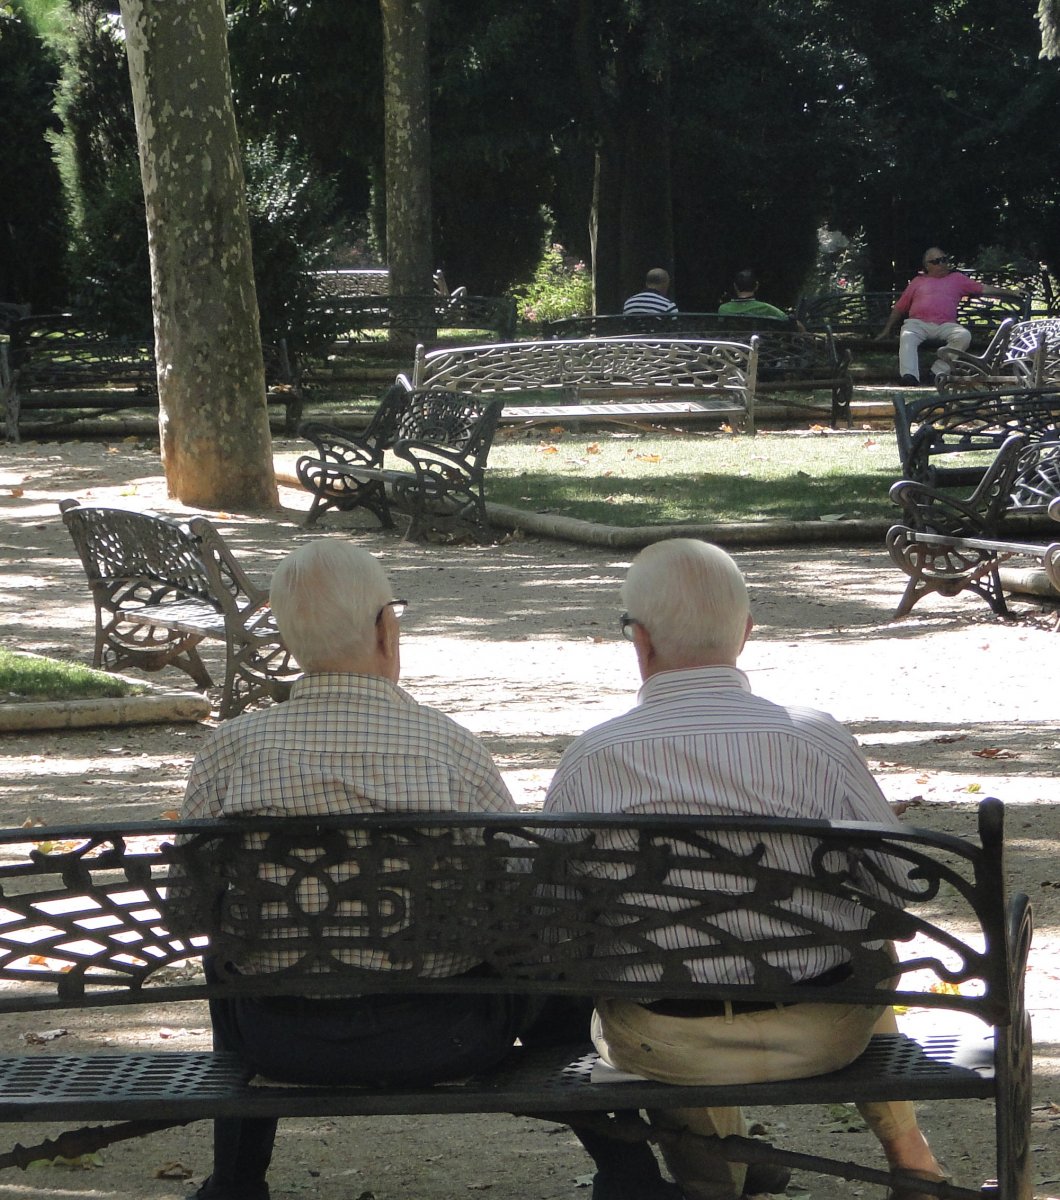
216 446
406 91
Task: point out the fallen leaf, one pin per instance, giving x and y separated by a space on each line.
173 1170
549 449
649 458
974 787
942 988
16 492
43 1036
995 752
593 448
170 814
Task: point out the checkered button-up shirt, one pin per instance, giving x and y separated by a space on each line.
344 743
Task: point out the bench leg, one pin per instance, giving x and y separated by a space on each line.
943 569
120 645
254 668
1014 1050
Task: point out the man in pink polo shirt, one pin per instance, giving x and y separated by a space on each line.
929 306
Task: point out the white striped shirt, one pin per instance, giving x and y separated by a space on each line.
648 304
700 742
344 743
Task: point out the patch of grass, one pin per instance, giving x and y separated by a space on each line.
645 479
27 677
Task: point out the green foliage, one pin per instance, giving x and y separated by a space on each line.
293 235
561 287
34 228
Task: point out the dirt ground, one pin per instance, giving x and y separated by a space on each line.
519 643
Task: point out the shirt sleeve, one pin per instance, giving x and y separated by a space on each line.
205 787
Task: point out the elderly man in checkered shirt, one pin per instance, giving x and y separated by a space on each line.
350 739
699 741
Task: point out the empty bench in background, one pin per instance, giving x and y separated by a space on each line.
521 895
948 545
605 379
63 365
789 360
935 432
438 442
1023 354
160 588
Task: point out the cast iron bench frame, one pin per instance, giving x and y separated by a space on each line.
161 587
933 428
597 375
789 359
949 545
59 363
1023 354
94 916
445 438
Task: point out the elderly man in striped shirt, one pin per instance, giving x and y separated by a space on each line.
699 741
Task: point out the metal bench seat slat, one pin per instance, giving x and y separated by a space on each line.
202 1085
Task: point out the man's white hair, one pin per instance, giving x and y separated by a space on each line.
692 599
326 597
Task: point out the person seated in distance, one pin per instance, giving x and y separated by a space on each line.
928 310
653 300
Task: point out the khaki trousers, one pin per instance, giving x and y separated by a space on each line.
758 1047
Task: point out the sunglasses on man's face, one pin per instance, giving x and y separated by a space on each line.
943 258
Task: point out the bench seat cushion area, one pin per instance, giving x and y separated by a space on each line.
198 1085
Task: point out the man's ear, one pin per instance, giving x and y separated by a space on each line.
387 643
645 649
747 631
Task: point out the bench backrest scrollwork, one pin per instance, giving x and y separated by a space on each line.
100 916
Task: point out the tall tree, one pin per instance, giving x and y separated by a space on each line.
216 446
407 96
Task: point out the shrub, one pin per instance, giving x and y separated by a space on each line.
561 287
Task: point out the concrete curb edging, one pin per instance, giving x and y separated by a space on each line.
156 708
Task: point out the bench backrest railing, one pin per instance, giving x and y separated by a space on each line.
647 362
136 557
572 905
971 421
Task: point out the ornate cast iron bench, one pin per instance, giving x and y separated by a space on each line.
161 588
788 359
444 438
932 429
59 363
97 917
947 545
1026 354
601 379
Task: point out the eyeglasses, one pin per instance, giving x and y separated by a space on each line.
943 258
398 606
625 624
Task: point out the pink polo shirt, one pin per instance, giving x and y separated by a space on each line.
935 298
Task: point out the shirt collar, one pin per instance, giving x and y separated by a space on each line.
667 684
321 684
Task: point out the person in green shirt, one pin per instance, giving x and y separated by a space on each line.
746 303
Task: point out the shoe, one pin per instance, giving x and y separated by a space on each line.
910 381
208 1190
765 1179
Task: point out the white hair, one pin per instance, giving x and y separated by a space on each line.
691 598
326 597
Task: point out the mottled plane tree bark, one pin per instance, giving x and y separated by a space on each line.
407 140
216 446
